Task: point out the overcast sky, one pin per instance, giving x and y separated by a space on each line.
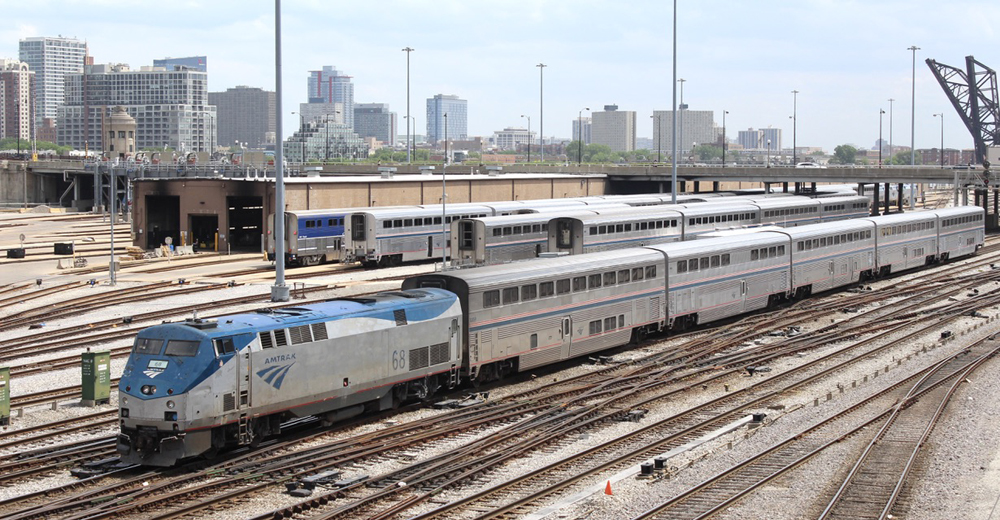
846 58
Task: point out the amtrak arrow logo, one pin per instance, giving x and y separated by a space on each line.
152 373
275 375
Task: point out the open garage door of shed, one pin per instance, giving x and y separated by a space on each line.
246 222
163 219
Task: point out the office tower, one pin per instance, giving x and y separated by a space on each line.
585 121
51 59
324 140
375 120
458 118
332 86
16 82
698 127
199 63
245 114
510 138
170 108
614 128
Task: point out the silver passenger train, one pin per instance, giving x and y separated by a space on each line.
192 388
491 240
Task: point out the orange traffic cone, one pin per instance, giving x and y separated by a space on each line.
607 489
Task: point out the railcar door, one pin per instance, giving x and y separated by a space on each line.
567 336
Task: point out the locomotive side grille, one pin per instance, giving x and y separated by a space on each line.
439 353
266 340
228 402
300 334
654 308
400 315
280 339
418 358
319 331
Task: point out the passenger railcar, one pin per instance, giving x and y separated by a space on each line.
193 387
828 256
530 314
843 207
609 230
961 230
905 241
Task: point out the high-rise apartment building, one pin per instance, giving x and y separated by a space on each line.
245 114
751 139
332 86
51 59
585 122
16 83
614 128
694 127
375 120
199 63
170 108
457 110
324 141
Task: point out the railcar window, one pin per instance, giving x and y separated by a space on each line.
418 222
331 222
703 263
623 276
682 266
546 289
529 292
690 221
147 346
621 321
609 323
534 341
437 220
716 261
535 228
496 232
176 347
799 246
593 230
507 230
310 224
491 298
772 251
619 228
754 254
637 274
580 283
692 264
562 286
510 295
651 271
725 259
609 278
386 224
781 250
397 223
595 327
224 346
517 230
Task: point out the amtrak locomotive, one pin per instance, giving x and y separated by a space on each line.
194 387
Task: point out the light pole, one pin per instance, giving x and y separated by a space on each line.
659 127
541 113
579 155
444 195
673 107
680 109
941 115
768 153
724 112
880 112
913 104
795 100
890 130
529 136
279 291
408 50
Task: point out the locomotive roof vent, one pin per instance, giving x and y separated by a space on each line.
201 324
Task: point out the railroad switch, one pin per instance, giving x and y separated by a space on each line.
634 416
98 467
305 486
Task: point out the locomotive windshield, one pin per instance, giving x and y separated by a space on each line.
147 346
177 347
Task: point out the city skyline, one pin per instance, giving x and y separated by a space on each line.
846 60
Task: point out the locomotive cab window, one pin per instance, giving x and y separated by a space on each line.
224 346
147 346
183 348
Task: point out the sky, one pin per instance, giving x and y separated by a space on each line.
846 58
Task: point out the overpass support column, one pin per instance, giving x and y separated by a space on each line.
875 200
887 198
767 187
715 186
784 187
900 193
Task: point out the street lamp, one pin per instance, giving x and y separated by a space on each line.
444 195
724 112
880 112
529 136
408 50
579 124
768 153
913 104
795 99
941 115
541 113
659 127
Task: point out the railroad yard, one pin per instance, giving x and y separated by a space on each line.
821 408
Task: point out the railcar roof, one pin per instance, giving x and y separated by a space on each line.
429 211
649 212
829 228
551 267
958 210
710 245
902 218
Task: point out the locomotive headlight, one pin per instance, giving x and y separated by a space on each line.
170 404
148 389
125 400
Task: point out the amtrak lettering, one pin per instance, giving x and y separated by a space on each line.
279 359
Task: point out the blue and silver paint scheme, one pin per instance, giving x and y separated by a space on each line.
238 375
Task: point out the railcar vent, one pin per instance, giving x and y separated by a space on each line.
654 308
439 353
300 334
400 315
319 331
280 340
266 341
419 358
228 402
